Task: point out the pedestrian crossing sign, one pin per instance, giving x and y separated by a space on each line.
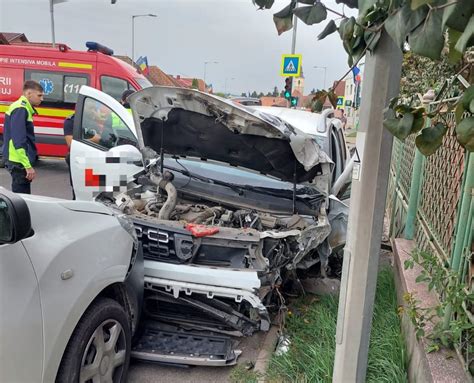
340 102
291 65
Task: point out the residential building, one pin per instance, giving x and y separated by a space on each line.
274 101
7 38
352 100
298 85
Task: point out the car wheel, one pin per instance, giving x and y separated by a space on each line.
99 349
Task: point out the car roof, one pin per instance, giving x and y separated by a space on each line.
301 119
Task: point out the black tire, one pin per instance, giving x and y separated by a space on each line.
86 348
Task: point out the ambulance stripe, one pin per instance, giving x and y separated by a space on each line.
74 65
46 130
48 112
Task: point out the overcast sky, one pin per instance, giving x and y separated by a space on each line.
185 34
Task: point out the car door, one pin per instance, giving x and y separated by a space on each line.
21 323
104 149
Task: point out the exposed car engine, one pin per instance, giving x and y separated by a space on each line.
178 228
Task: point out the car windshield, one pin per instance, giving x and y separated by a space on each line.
226 173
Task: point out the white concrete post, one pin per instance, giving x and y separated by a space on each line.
369 190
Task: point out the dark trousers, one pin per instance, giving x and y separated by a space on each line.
19 182
68 162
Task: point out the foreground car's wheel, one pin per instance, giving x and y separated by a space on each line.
99 349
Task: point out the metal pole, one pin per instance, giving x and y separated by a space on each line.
414 194
324 77
133 39
51 9
369 190
205 63
468 239
461 224
133 32
464 215
293 41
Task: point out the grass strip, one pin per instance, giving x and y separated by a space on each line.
312 328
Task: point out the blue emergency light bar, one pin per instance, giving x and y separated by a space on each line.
96 47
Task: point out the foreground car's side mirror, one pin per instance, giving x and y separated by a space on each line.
15 221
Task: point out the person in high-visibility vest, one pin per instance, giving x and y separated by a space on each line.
19 149
114 123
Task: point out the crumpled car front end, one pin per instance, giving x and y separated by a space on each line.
233 206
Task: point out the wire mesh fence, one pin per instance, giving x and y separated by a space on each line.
439 201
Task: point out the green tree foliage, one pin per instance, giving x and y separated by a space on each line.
430 28
420 74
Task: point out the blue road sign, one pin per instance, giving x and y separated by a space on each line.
291 65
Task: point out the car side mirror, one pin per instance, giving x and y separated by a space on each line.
15 220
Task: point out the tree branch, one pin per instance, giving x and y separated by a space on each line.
443 6
352 67
335 12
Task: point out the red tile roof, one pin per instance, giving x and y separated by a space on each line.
158 77
13 37
187 82
126 59
271 101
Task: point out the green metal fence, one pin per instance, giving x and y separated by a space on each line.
431 199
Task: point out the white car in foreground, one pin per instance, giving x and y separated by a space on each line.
71 286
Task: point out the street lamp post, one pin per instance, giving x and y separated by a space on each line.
133 31
322 67
51 10
205 64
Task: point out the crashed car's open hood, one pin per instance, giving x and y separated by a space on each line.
190 123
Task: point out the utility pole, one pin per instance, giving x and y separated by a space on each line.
369 190
51 10
133 31
293 41
293 48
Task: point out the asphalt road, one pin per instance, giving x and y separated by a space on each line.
52 180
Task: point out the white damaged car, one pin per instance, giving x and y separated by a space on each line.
231 206
71 289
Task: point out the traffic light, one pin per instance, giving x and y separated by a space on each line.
288 85
293 101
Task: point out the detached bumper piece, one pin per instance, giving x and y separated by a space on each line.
167 344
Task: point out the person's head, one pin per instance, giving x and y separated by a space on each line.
125 95
33 91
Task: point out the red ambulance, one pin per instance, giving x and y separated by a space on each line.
61 71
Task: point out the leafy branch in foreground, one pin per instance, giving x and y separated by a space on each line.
422 25
454 292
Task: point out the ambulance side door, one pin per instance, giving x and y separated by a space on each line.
104 150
